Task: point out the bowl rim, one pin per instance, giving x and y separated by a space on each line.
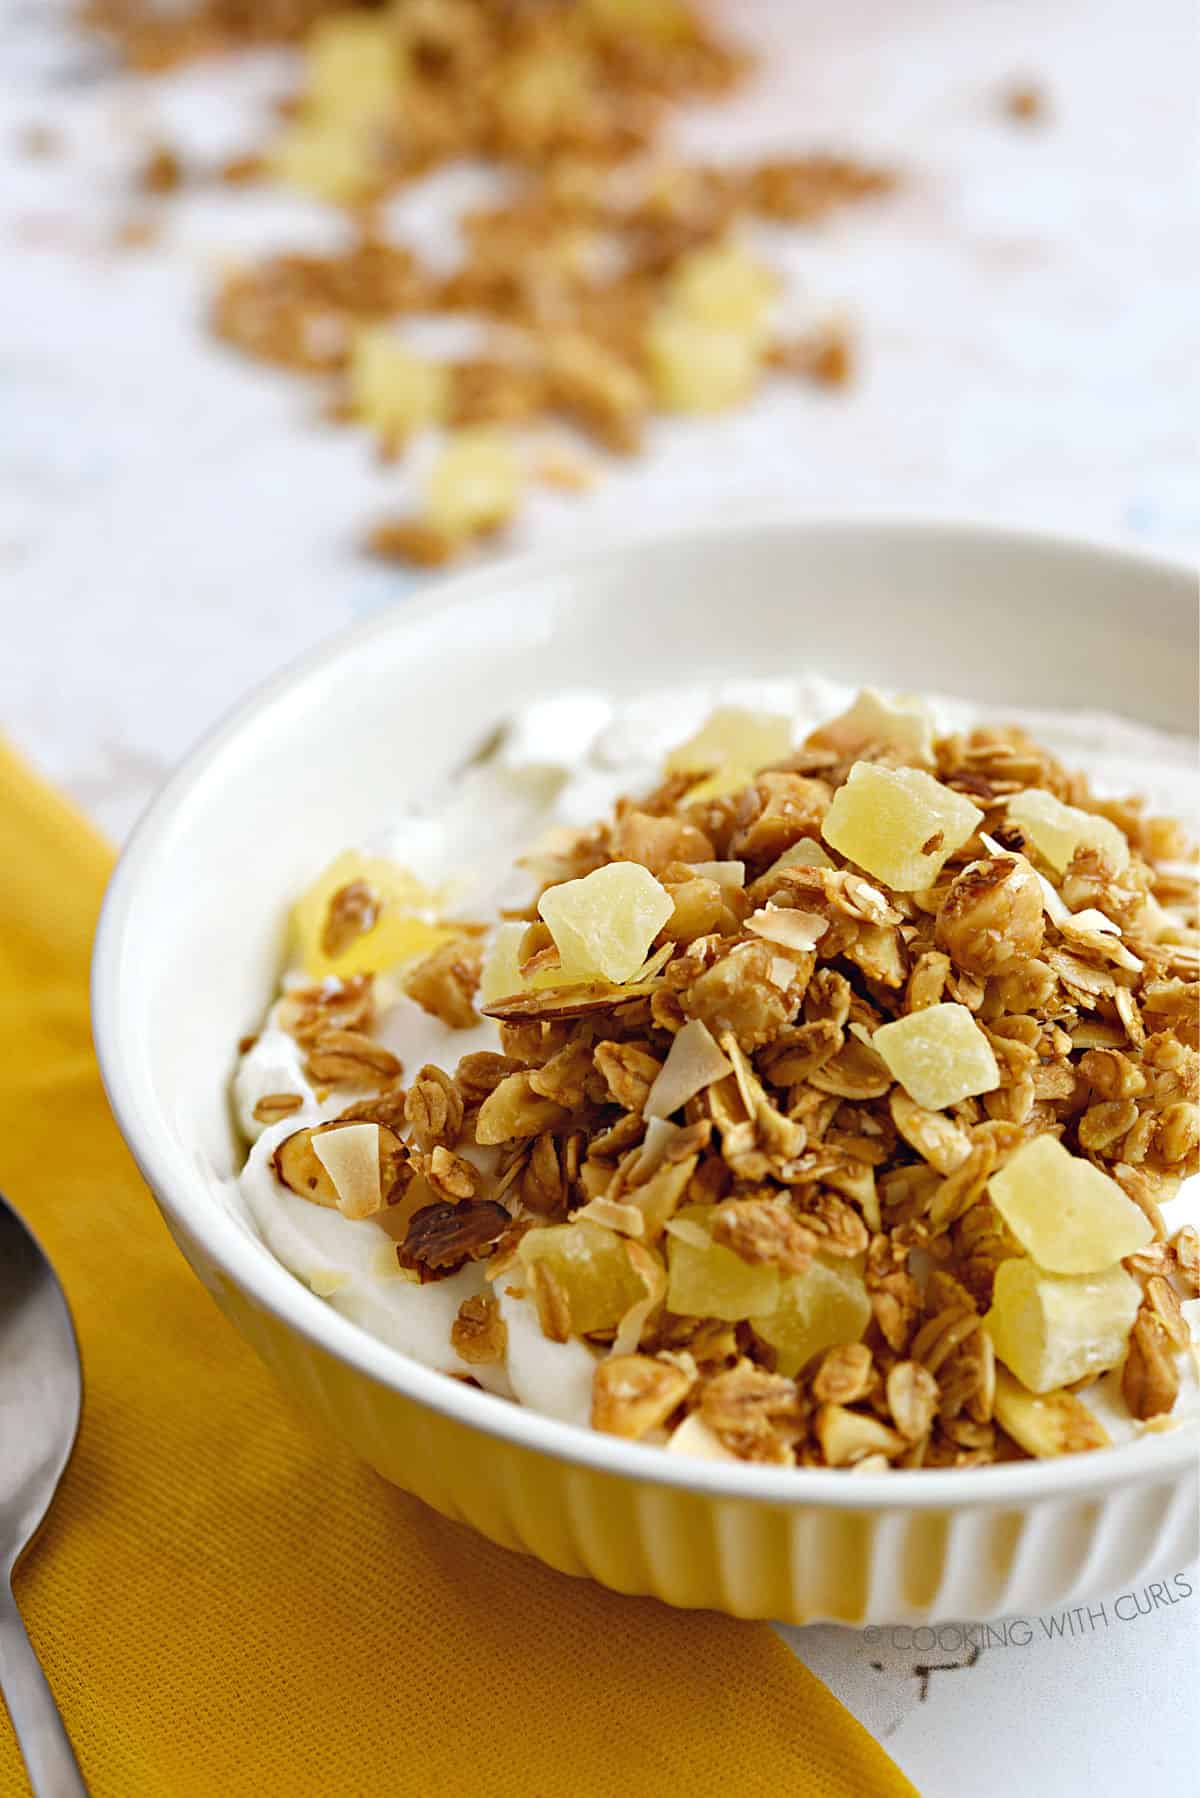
182 1196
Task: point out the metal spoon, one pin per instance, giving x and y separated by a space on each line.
41 1389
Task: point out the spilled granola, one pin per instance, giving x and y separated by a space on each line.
835 1100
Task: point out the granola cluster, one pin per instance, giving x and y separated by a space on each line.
615 283
828 1168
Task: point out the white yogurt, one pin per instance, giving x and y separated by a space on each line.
564 762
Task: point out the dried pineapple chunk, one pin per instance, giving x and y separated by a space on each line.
592 1266
391 389
723 287
1057 831
1064 1212
730 747
332 160
899 824
605 923
939 1055
824 1306
395 907
1053 1329
903 724
500 976
350 67
708 1280
474 485
696 367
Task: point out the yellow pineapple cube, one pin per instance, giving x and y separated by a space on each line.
821 1308
332 160
1056 831
350 67
730 747
1069 1216
708 1280
903 724
604 924
500 976
696 367
724 287
1053 1329
475 484
391 389
364 914
592 1266
899 824
939 1055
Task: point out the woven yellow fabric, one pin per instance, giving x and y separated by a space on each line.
225 1605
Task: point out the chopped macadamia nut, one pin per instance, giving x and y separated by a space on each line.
899 824
939 1055
1064 1212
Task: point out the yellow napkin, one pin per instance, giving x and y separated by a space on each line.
224 1604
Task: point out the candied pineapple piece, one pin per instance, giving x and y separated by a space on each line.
730 747
939 1056
708 1280
903 724
821 1308
696 367
350 67
592 1266
1053 1329
1057 831
391 922
1064 1212
500 976
474 485
724 287
605 923
899 824
331 160
391 389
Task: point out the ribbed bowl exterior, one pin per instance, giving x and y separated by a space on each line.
799 1563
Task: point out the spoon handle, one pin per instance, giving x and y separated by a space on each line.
49 1760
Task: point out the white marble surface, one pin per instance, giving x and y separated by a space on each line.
174 523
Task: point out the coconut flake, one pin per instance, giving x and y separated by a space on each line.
801 930
781 972
689 1231
1091 919
693 1437
694 1062
660 1134
611 1214
726 874
350 1156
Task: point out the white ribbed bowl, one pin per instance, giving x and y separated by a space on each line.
189 947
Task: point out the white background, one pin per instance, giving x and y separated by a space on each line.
175 523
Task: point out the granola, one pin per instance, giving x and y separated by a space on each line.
770 1126
615 282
